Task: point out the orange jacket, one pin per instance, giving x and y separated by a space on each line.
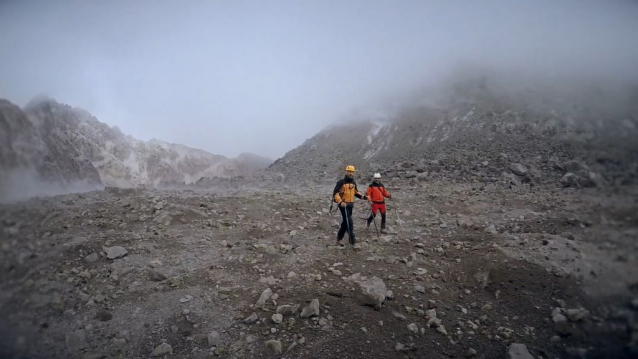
346 190
376 193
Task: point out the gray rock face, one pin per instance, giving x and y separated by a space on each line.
371 292
53 148
518 351
115 252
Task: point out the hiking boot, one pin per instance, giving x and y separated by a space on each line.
352 240
369 221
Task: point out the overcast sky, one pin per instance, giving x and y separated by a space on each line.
262 76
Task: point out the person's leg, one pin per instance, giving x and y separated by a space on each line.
350 224
382 210
343 228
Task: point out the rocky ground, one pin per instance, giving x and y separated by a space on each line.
466 271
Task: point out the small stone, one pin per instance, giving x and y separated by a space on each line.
277 318
213 339
162 350
275 346
311 310
471 353
119 343
413 328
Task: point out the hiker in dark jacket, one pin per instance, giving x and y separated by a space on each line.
344 193
377 194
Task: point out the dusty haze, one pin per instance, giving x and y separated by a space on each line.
262 77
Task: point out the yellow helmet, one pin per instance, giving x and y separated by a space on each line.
350 168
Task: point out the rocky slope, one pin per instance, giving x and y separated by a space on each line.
62 146
478 137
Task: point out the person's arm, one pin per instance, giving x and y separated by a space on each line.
335 192
369 193
385 193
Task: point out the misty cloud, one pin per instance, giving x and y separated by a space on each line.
263 76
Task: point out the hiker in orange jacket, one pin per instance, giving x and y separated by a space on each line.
344 193
376 194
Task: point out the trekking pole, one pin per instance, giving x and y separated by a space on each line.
374 219
397 213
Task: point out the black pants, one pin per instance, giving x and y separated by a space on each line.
373 215
346 222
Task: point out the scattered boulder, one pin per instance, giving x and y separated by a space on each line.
277 318
156 276
569 180
93 257
312 310
213 339
115 252
518 169
76 341
518 351
275 346
371 292
577 315
251 318
162 350
265 295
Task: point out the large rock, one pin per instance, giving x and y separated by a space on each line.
518 169
115 252
312 310
518 351
371 292
265 295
